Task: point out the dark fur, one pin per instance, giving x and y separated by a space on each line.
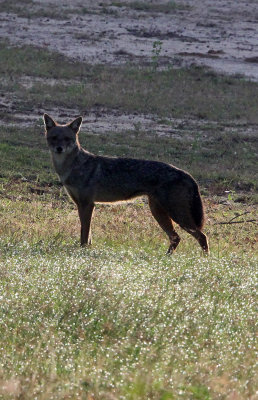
173 193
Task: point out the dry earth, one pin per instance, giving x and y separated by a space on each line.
220 34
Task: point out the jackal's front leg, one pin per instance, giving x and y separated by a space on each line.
85 214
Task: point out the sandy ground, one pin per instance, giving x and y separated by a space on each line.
221 34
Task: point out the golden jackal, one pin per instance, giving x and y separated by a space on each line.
173 194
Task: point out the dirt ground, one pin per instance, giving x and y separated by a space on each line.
220 34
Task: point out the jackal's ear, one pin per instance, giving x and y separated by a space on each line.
76 124
49 122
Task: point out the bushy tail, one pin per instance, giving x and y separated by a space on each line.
197 208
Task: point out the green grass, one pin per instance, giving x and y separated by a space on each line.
128 323
170 93
36 62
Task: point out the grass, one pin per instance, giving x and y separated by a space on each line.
170 93
28 8
127 323
121 320
168 7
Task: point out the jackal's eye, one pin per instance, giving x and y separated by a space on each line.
54 137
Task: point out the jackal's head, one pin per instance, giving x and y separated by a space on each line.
62 139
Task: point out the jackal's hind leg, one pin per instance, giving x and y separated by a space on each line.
165 222
201 238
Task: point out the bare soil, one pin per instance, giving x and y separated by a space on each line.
220 34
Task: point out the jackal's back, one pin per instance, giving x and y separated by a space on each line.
125 178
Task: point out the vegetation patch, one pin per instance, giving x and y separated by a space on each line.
170 93
166 7
121 320
29 9
127 323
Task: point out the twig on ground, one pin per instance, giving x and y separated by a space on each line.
236 222
231 221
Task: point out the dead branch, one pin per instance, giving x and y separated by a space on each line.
231 221
236 222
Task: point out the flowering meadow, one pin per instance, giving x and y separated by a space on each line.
121 319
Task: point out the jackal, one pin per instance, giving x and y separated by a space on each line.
172 193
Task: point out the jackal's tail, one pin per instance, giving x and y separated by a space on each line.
197 208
